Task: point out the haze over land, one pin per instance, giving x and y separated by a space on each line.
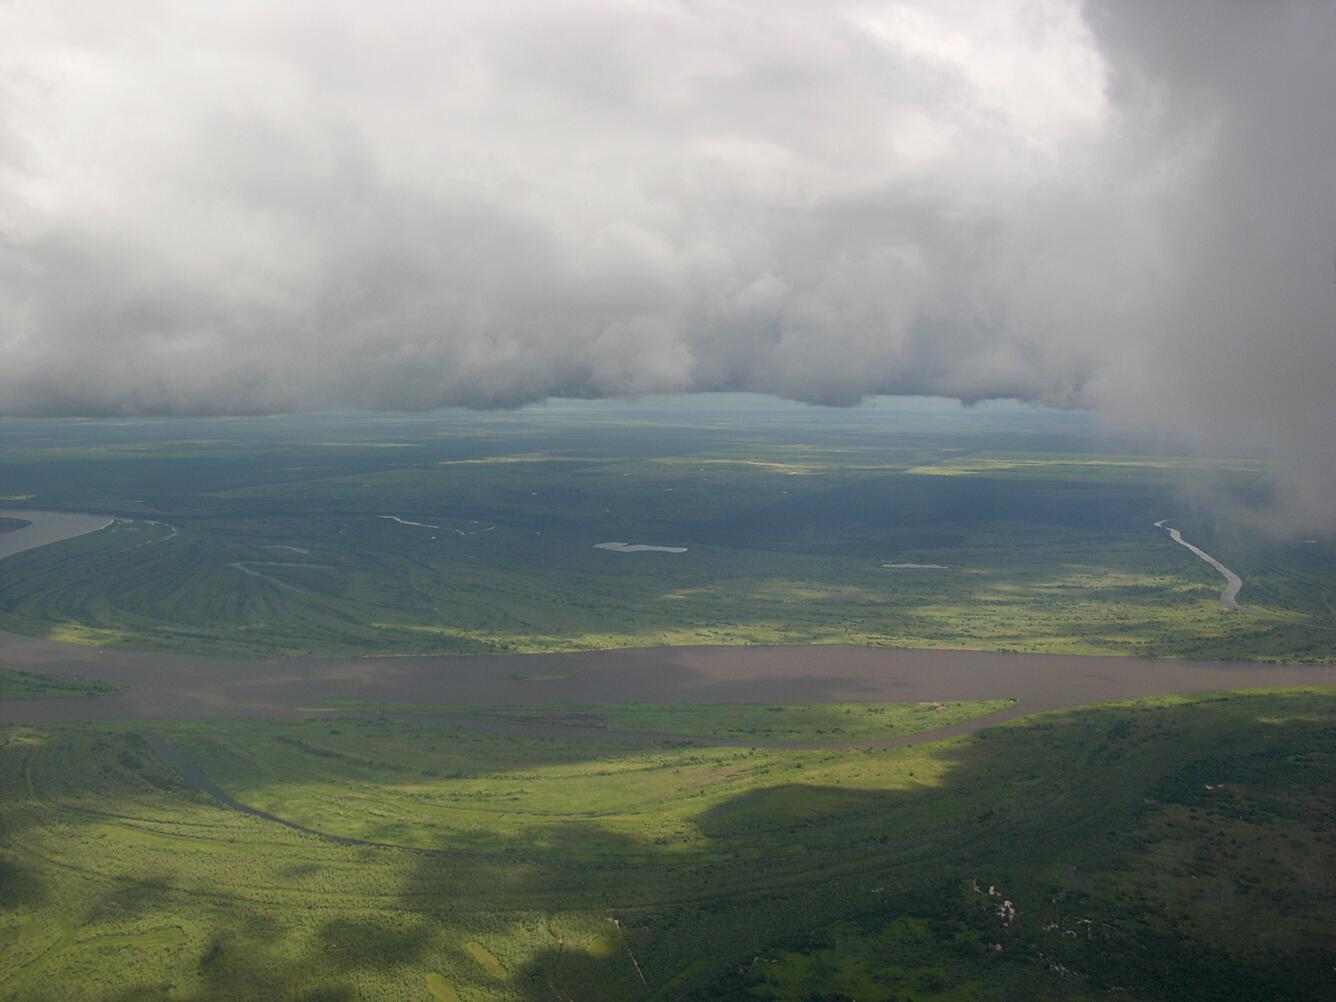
257 207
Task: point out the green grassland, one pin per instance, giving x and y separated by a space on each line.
267 537
812 724
1178 848
16 684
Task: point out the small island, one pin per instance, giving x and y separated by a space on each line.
15 684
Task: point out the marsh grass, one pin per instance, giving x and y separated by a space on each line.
788 517
1138 845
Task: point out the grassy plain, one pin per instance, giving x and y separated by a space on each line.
1178 848
16 684
820 723
265 537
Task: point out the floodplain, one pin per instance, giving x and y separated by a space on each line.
1172 848
465 534
925 709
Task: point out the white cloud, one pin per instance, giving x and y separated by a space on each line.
266 206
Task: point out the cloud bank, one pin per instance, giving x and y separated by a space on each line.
249 207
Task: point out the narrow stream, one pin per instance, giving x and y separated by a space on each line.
1228 597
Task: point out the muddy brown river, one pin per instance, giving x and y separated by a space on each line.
173 686
177 686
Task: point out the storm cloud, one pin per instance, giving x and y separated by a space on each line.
252 207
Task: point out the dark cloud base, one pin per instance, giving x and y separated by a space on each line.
1126 207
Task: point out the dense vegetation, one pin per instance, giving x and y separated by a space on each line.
1169 849
270 536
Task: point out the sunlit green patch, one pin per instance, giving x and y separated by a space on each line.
1063 855
485 960
440 988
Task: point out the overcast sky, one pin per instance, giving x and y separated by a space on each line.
258 205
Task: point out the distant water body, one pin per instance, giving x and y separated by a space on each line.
47 527
182 686
1229 598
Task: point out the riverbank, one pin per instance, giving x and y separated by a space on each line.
45 527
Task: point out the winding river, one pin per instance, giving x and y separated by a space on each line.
1233 583
191 687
